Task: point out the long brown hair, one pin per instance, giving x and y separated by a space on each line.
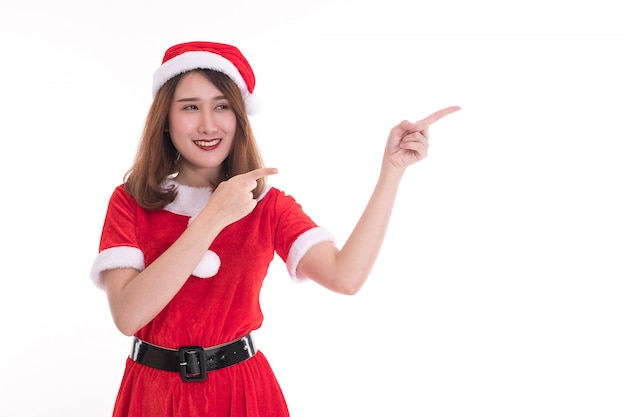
157 158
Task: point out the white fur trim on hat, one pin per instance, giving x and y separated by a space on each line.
301 246
118 257
202 59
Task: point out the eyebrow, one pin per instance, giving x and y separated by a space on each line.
189 99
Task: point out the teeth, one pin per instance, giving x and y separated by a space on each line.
207 143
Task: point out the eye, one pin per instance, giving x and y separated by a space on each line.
190 107
222 106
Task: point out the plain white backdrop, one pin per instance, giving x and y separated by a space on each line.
500 288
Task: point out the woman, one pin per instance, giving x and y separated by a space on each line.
188 238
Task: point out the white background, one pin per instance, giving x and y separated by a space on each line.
500 288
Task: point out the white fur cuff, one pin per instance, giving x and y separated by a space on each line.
119 257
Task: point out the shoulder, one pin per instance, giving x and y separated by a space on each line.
121 204
281 206
274 196
120 194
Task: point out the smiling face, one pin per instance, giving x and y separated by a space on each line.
202 127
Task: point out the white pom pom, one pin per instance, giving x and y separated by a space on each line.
253 104
208 265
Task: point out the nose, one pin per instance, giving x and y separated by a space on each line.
207 122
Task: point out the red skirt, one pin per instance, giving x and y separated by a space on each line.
247 389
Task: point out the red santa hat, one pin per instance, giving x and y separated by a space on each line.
208 55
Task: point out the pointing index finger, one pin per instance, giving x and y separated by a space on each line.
439 114
258 173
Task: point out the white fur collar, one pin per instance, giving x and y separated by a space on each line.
191 200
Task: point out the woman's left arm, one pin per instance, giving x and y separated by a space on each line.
345 271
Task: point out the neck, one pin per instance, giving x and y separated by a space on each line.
205 177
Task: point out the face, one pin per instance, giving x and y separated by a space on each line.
202 127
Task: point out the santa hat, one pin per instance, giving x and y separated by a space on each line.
208 55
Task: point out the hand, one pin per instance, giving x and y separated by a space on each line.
232 199
408 142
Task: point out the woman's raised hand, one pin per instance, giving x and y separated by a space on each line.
408 142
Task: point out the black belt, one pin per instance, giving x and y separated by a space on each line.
193 362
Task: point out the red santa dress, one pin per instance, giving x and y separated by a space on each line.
219 303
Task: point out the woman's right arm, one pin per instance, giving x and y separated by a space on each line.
137 297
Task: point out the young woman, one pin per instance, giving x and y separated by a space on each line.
189 235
